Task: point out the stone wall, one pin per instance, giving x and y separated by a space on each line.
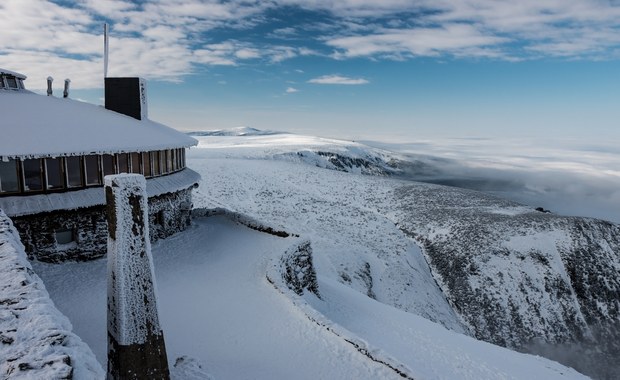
168 213
36 341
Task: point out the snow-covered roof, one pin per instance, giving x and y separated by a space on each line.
41 126
9 72
71 200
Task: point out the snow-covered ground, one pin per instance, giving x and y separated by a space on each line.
377 291
217 306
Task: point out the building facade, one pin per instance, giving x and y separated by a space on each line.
54 153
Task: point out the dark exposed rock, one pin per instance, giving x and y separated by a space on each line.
298 271
518 276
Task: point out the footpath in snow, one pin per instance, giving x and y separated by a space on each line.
217 306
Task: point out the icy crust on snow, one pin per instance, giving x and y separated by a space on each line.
71 200
45 126
36 341
132 308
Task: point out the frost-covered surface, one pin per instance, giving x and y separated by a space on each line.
412 346
45 126
71 200
217 307
363 235
36 341
511 275
132 307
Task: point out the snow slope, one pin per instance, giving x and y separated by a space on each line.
217 306
378 292
500 271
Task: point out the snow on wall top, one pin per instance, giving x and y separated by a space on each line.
42 126
36 339
9 72
72 200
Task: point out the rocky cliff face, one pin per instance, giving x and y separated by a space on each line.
519 277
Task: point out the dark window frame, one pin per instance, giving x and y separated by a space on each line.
41 176
80 171
61 174
99 182
17 166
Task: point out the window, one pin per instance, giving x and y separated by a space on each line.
146 164
183 157
11 82
33 175
91 164
9 181
173 158
75 177
135 163
169 161
109 166
122 159
155 160
179 158
55 175
64 237
160 218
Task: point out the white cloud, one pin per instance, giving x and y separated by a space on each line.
452 39
247 53
337 79
291 90
167 39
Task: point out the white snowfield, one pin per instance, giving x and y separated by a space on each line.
379 303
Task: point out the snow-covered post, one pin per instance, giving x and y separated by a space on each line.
136 348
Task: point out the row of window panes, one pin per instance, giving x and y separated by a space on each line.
11 82
36 175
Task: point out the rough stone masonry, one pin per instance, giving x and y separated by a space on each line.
136 347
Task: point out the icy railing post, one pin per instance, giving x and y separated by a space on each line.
136 347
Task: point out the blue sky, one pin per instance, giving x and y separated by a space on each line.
390 70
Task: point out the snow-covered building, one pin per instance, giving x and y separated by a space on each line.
54 153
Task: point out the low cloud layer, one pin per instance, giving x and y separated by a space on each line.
566 177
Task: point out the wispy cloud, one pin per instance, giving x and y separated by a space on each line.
291 90
168 39
338 79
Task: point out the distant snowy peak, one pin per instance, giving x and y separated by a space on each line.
239 131
340 155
